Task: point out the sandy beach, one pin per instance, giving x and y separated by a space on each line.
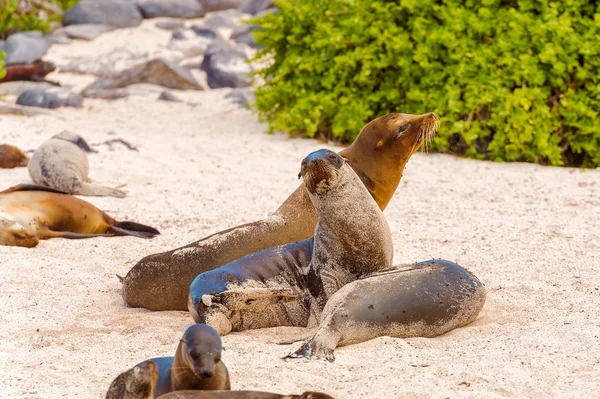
530 233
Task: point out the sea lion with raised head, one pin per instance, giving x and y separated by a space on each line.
422 300
61 162
12 157
378 156
30 212
135 383
242 395
287 284
197 363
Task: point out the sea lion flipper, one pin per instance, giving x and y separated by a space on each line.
31 187
256 297
99 191
134 229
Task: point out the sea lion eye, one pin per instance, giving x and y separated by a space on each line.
403 128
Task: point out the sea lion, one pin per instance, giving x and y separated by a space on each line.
61 162
196 365
287 284
241 395
378 156
135 383
422 300
30 212
12 157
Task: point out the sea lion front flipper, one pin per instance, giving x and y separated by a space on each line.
31 187
237 299
96 190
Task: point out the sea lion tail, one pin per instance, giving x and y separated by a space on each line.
134 229
121 279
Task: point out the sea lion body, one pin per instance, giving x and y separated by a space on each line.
196 365
352 238
12 157
378 156
29 213
61 162
241 395
422 300
135 383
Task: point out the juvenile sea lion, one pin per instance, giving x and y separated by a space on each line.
30 212
423 300
135 383
61 162
378 156
196 365
241 395
285 285
12 157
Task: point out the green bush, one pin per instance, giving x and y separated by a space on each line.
2 72
512 80
18 16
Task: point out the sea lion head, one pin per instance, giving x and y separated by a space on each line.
12 233
320 170
135 383
12 157
75 139
202 349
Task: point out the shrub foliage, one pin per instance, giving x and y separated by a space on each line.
26 15
512 80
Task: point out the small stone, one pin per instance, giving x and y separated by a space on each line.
170 23
85 31
50 98
168 96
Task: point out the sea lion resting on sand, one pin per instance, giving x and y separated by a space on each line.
378 156
422 300
61 162
30 212
241 395
352 239
12 157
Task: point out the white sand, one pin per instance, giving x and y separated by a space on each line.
530 233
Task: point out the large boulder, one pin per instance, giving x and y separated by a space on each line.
171 8
25 47
218 5
255 6
226 66
118 13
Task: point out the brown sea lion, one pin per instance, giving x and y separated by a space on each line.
422 300
196 365
378 156
30 212
285 285
241 395
135 383
29 71
12 157
61 162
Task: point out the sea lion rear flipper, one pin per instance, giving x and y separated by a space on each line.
100 191
31 187
134 229
300 337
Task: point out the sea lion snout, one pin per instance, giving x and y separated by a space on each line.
317 166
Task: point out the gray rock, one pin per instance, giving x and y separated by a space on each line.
218 5
204 32
255 6
50 98
171 8
243 96
157 71
170 23
84 31
118 13
168 96
188 43
14 109
272 10
242 34
25 47
226 66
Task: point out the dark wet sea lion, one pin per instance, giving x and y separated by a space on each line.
30 212
241 395
61 162
135 383
196 365
285 285
12 157
422 300
378 156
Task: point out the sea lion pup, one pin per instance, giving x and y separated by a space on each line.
378 156
423 300
196 365
61 162
351 239
241 395
30 212
12 157
135 383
